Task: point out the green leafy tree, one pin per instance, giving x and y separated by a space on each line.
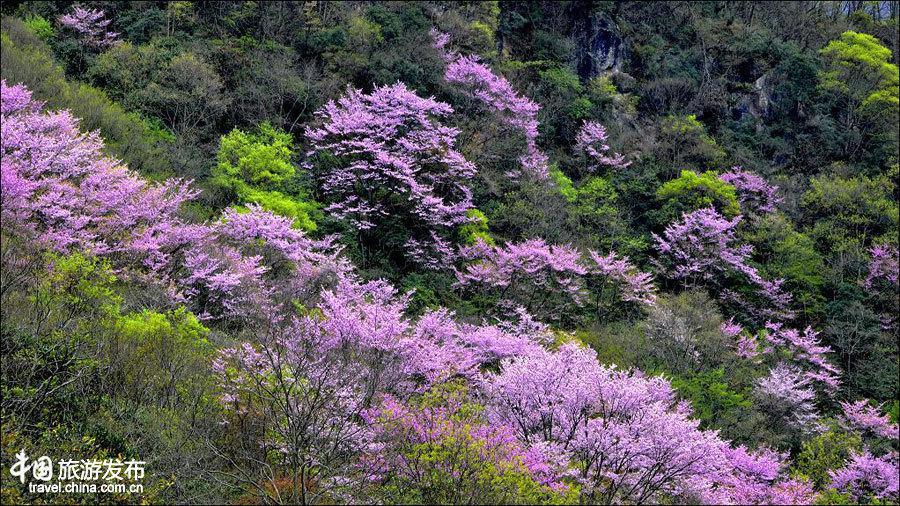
715 403
860 74
599 221
692 191
162 357
825 452
846 214
477 229
683 141
255 167
788 254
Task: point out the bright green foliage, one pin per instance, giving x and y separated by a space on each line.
80 284
825 452
40 27
162 355
862 77
256 167
594 206
860 67
832 497
714 402
563 184
692 191
856 211
260 159
476 229
595 201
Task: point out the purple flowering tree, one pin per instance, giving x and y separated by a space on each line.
60 190
591 140
389 168
759 477
474 78
756 196
881 281
863 417
441 446
866 477
702 249
91 27
788 399
552 282
626 435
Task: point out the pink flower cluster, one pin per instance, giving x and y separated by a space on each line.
544 278
759 478
701 248
592 141
867 475
755 195
389 158
867 419
807 353
787 395
59 189
777 341
399 429
496 93
91 25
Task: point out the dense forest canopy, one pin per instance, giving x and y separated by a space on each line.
452 252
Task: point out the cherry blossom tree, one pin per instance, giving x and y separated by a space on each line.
62 191
476 79
592 141
60 187
867 476
552 282
865 418
786 396
807 353
776 342
631 284
439 449
702 249
544 279
91 26
756 196
390 168
884 269
627 436
305 383
759 477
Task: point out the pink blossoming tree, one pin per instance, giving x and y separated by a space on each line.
592 142
476 79
390 169
702 249
552 282
755 195
90 25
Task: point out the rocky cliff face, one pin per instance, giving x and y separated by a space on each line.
758 101
600 47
